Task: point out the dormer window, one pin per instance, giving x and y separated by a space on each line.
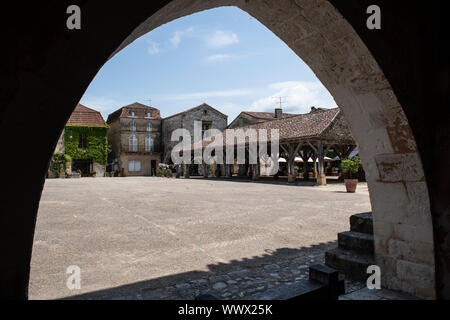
133 113
149 126
133 126
148 114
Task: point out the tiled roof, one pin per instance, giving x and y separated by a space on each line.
268 115
311 125
300 126
139 109
83 115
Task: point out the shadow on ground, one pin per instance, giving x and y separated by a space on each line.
238 278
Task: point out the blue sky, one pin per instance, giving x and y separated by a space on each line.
223 57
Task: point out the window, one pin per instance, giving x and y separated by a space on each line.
82 141
205 126
132 113
148 114
133 126
149 144
133 143
241 122
134 166
149 127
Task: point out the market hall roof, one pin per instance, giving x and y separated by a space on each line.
327 125
85 116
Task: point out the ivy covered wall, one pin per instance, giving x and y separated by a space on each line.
96 143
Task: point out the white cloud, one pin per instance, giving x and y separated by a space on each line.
208 94
298 97
176 38
221 38
219 57
153 47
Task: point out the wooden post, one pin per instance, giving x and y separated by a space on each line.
320 156
228 171
204 169
292 153
186 170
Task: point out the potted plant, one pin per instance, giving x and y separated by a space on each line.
161 170
169 173
351 167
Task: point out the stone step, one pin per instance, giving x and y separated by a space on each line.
323 284
350 263
357 241
362 223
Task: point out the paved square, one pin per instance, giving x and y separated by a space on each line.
151 238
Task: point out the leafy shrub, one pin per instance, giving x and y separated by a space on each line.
351 166
162 168
57 162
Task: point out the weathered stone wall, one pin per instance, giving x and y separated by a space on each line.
114 139
246 120
186 121
99 169
60 145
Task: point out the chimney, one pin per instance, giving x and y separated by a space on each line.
278 113
313 109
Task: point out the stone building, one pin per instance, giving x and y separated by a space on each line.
135 139
84 140
209 117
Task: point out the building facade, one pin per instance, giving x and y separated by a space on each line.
84 144
135 139
209 117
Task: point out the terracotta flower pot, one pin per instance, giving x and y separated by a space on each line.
351 185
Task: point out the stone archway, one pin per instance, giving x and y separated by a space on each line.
318 34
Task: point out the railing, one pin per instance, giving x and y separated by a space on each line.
140 149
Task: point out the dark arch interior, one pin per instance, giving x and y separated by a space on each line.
38 97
